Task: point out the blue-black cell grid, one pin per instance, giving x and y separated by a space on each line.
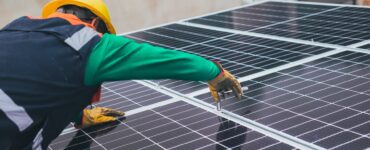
128 95
342 26
257 16
325 102
367 46
174 126
120 95
240 54
176 36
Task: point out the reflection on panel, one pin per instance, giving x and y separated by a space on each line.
240 54
257 16
367 46
128 95
326 24
325 102
343 26
174 126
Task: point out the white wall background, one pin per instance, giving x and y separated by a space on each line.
127 15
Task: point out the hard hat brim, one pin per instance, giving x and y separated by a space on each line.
52 7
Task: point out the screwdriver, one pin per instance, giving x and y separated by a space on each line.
223 97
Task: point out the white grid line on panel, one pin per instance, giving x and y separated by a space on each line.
160 25
243 121
355 13
243 6
192 33
297 18
325 105
276 69
323 4
222 53
340 120
346 142
289 65
272 37
292 7
328 27
141 135
299 114
135 119
164 125
175 121
132 112
94 140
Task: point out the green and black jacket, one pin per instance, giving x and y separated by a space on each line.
51 68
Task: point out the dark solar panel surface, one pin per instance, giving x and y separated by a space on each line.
258 16
129 95
325 102
242 55
174 126
342 26
367 46
325 24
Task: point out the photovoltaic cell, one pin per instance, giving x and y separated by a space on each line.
343 26
325 102
120 95
240 54
367 46
128 95
257 16
170 37
174 126
326 24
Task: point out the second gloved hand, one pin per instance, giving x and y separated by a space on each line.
98 115
225 81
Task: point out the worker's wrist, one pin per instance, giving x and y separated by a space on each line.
78 119
220 76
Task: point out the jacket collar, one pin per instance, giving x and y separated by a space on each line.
72 19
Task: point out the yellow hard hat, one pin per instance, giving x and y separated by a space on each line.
97 7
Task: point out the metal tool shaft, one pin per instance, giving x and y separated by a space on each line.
219 106
223 97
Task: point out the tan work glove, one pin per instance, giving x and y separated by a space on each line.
225 81
98 115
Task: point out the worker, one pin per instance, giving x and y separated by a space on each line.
52 67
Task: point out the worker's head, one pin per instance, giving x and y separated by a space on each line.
91 11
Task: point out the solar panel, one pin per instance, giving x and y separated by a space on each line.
367 46
310 93
174 126
343 26
326 24
242 55
257 16
129 95
325 102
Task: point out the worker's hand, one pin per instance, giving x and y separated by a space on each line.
225 81
98 115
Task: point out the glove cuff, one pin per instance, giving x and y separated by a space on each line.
79 123
220 77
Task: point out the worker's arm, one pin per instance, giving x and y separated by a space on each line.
118 58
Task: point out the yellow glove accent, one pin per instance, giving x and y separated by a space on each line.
225 81
98 115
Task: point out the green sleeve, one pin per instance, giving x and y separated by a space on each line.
118 58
